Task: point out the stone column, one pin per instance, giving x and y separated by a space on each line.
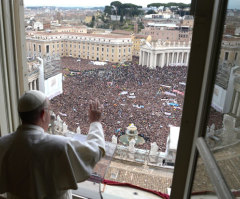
37 81
30 85
168 58
143 59
177 57
35 84
41 76
155 60
172 57
182 58
151 60
163 57
187 58
148 59
235 104
140 58
238 110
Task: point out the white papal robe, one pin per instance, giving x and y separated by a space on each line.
36 165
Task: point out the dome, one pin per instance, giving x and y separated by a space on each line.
149 38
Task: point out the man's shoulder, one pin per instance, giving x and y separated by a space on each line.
55 140
6 138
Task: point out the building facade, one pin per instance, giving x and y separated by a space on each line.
160 54
100 47
33 74
79 29
228 71
38 26
167 32
230 51
138 41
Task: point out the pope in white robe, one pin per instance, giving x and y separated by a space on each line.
37 165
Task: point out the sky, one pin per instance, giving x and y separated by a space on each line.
93 3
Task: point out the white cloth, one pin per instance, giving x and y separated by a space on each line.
36 165
60 195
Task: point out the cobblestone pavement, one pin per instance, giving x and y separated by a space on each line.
228 160
140 175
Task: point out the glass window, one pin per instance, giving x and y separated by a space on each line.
226 55
47 48
146 91
222 141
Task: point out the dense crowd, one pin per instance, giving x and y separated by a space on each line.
151 99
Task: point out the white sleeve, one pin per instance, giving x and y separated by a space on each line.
83 156
96 134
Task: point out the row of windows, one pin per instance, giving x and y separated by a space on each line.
183 36
82 38
226 56
93 48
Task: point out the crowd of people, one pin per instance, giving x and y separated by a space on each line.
150 99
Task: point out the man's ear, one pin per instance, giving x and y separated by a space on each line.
42 114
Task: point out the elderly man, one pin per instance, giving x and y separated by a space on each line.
36 165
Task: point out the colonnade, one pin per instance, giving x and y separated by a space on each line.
33 85
152 58
236 103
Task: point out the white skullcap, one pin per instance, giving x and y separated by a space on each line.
31 100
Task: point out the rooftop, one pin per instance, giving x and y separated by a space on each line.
114 36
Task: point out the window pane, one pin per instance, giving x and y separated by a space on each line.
223 131
136 66
202 185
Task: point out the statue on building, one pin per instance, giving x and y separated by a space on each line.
114 139
65 128
59 124
52 122
78 130
154 149
153 155
212 130
131 147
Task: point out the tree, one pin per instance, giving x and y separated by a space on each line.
151 12
108 10
140 26
117 5
92 22
157 5
126 9
121 18
131 10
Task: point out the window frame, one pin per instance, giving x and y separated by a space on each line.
13 81
200 89
200 81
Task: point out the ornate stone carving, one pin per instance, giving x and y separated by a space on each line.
114 139
78 130
131 147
